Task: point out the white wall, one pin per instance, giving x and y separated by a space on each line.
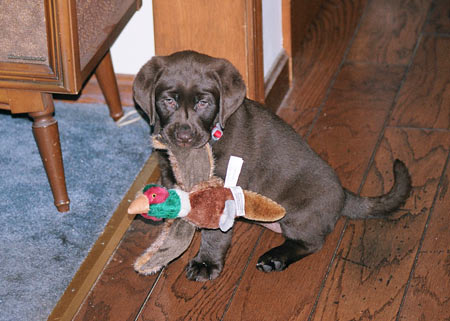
135 45
272 32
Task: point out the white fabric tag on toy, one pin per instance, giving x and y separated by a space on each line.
238 195
233 171
227 218
231 179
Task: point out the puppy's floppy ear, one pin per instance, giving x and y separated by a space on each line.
232 90
144 86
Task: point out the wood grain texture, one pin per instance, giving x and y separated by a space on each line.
352 117
427 86
437 235
428 296
176 298
281 296
439 21
389 31
368 280
300 15
319 59
345 137
120 291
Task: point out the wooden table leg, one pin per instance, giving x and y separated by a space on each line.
46 134
108 84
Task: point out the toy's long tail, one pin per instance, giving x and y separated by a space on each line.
357 207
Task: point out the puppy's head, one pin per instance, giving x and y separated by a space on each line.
186 94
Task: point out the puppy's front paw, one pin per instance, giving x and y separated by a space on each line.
201 271
270 263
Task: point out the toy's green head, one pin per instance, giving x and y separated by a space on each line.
163 203
170 208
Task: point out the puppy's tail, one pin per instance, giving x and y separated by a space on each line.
357 207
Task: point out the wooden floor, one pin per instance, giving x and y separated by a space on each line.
372 84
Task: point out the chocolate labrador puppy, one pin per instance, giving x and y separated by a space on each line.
188 95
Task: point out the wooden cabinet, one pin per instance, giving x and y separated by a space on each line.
53 46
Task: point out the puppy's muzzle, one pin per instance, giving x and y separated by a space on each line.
184 135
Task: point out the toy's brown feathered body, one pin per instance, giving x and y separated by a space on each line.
212 206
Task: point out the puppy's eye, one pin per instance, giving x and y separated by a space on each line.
201 104
170 103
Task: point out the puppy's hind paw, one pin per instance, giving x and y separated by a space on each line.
267 264
202 271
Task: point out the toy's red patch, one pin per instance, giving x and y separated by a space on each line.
156 195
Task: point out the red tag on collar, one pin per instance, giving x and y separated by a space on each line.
216 132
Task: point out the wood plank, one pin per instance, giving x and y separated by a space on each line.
319 59
352 117
375 257
119 292
349 129
437 235
428 295
176 298
299 16
439 21
426 87
281 295
389 31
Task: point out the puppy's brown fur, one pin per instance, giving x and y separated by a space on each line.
187 93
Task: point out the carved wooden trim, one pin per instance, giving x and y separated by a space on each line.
254 48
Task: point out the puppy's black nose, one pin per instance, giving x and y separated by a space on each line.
184 134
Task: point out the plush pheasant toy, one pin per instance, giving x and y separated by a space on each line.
209 205
201 200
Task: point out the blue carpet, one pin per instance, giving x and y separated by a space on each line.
40 248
